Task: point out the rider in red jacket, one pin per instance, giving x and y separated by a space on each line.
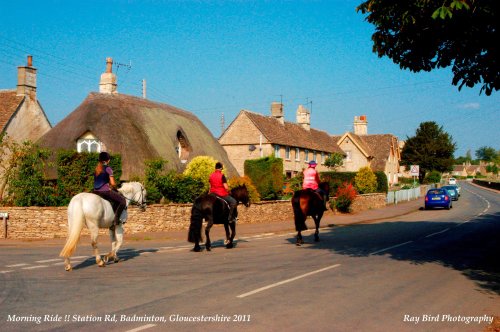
219 186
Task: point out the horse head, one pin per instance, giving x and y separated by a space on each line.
325 186
240 193
135 193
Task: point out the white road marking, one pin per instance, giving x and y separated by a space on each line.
140 328
444 230
17 265
34 267
287 281
6 271
49 260
389 248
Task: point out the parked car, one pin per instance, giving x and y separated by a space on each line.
452 181
452 190
438 197
458 188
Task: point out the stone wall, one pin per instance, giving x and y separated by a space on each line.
51 222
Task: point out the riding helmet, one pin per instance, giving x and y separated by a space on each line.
104 156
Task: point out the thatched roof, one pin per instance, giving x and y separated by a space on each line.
138 129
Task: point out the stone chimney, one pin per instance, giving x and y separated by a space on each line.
304 117
360 125
26 80
108 79
277 112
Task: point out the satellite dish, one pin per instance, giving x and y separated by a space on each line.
251 147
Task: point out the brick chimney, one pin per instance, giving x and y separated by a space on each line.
304 117
360 125
26 80
108 79
278 112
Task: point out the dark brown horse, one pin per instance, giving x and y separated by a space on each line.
305 203
214 210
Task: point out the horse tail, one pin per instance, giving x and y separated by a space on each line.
195 234
298 214
76 220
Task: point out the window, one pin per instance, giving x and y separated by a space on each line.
348 155
314 155
322 157
297 154
287 153
306 155
88 143
183 149
277 151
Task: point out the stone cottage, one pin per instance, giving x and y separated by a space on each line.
380 152
22 117
252 136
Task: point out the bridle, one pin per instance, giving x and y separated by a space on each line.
142 203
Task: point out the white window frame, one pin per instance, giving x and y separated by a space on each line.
90 142
277 149
287 153
297 154
306 155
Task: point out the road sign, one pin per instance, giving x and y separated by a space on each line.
414 170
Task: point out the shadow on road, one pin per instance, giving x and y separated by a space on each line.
471 248
125 255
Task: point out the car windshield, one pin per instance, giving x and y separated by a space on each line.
436 192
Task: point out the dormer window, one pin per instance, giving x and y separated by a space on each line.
183 148
88 143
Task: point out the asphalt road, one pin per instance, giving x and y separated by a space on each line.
427 271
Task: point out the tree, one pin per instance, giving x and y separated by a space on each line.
429 34
334 161
431 148
486 153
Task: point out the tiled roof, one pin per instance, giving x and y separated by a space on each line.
9 103
380 148
292 134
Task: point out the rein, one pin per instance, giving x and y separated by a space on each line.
142 204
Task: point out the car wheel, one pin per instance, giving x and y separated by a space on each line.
448 207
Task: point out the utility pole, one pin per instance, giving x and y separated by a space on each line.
144 88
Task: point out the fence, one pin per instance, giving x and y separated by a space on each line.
394 197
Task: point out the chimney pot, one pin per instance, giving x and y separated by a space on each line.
30 61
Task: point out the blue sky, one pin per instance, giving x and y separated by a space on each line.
218 57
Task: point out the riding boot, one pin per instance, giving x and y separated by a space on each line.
118 214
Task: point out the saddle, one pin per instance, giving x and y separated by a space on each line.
114 205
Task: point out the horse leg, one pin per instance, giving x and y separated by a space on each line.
116 237
226 228
230 244
300 241
208 244
94 231
316 233
67 264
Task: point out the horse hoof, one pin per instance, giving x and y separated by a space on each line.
68 268
209 249
298 244
226 242
196 249
105 259
229 246
316 238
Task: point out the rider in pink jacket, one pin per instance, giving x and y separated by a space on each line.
311 181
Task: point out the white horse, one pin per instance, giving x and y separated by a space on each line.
96 212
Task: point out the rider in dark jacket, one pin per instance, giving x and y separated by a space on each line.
104 182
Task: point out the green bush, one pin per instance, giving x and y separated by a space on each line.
75 172
267 176
245 180
382 183
365 181
337 179
200 168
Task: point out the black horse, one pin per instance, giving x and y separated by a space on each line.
305 203
214 210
